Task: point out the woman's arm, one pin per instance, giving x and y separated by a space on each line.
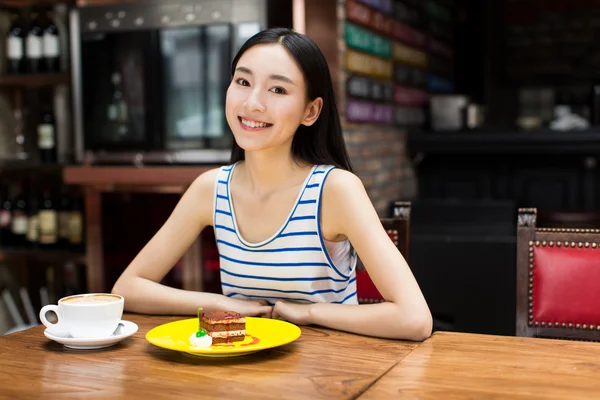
347 211
139 282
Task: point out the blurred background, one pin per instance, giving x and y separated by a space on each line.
468 109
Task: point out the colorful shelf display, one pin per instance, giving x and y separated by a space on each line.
398 53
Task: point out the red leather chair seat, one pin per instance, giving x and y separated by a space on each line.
566 285
365 288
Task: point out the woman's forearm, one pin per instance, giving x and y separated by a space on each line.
149 297
381 320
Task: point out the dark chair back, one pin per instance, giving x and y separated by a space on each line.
398 229
558 280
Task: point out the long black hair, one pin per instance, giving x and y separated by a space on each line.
322 142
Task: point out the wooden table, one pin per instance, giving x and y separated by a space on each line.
322 364
464 366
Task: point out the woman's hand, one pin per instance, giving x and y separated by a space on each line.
295 313
248 308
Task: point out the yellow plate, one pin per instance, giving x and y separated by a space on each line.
261 334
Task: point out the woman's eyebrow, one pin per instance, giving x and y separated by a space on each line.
282 78
244 69
275 77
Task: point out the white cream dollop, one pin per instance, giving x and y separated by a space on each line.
200 342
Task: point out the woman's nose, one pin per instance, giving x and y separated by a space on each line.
254 102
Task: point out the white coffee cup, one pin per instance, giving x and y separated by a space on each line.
92 315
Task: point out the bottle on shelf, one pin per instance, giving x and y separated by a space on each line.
19 131
51 44
33 222
76 224
39 218
19 220
5 217
15 45
46 132
48 221
64 214
117 111
34 45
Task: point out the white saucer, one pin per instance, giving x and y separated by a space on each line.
129 328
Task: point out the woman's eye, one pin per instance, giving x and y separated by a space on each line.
242 81
278 90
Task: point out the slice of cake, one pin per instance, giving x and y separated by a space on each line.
223 326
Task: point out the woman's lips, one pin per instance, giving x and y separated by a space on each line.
253 126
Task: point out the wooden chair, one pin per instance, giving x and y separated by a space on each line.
398 228
558 280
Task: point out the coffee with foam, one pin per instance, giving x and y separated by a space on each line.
91 299
90 315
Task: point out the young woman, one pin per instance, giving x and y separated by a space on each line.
288 213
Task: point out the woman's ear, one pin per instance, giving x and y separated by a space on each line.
312 112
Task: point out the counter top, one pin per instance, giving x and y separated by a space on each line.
544 141
134 176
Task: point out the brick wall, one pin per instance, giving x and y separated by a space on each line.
378 153
379 158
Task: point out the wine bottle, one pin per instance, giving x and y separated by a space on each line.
51 44
34 45
48 221
19 222
19 134
46 131
117 112
15 45
76 224
5 217
64 212
33 222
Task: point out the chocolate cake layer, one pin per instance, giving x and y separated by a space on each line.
230 339
223 317
221 327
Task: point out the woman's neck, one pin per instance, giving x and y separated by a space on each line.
267 171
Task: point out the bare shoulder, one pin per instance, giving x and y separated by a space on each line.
340 183
200 196
344 200
205 181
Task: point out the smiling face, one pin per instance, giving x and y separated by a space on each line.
266 100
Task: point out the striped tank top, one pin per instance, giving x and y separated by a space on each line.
296 263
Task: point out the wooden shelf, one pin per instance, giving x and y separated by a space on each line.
171 178
41 255
35 80
31 3
16 166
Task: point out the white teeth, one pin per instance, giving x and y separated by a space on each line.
253 124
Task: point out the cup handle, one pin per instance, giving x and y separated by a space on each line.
55 329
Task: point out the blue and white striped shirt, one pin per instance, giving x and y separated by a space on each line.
296 263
